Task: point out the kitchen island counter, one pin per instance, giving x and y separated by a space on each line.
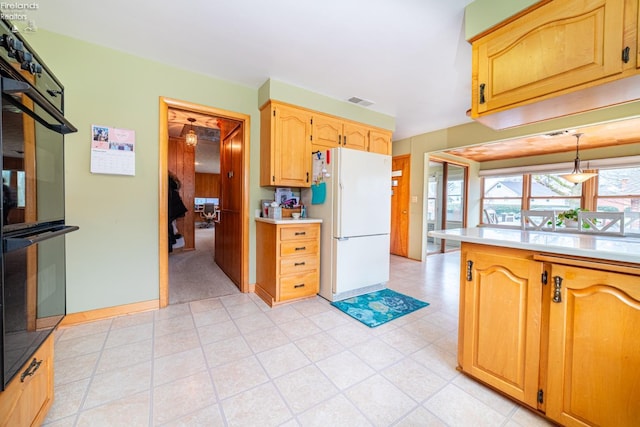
545 315
597 246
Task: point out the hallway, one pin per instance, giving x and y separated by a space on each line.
194 275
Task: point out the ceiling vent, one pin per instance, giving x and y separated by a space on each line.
360 101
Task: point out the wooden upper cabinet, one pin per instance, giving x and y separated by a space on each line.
285 146
594 351
355 136
289 134
560 47
326 131
380 142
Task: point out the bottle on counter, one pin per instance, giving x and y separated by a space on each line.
303 211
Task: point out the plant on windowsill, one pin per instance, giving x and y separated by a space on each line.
569 218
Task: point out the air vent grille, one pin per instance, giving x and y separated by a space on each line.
360 101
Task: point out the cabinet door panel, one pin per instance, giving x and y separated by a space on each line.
559 46
292 160
380 142
355 136
501 323
594 350
326 131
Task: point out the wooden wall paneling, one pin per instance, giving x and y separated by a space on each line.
207 185
181 162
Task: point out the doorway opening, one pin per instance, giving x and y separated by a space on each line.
447 187
230 232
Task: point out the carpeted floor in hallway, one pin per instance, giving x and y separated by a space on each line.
194 275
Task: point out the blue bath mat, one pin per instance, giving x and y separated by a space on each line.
379 307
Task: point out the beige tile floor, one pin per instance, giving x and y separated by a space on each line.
233 361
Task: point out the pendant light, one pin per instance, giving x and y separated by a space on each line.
577 176
191 138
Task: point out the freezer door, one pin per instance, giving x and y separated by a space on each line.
360 262
363 193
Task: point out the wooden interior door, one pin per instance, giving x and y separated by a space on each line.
228 227
400 167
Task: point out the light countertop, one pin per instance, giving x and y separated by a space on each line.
289 220
616 248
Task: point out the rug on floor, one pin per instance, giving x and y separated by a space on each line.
379 307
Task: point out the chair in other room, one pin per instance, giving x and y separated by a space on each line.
208 214
601 222
490 216
538 220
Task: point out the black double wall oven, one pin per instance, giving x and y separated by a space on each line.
33 298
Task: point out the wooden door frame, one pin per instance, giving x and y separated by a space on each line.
163 220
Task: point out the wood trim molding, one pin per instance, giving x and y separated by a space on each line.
163 143
108 312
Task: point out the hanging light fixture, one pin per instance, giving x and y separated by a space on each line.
577 176
191 138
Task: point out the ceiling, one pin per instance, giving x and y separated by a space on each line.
208 130
409 57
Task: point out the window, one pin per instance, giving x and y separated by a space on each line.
551 192
502 200
615 189
619 191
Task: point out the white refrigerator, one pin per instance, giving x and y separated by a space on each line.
356 214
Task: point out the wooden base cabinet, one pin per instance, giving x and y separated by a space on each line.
28 397
594 348
288 261
500 305
558 334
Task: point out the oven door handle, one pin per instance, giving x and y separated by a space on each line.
15 243
13 87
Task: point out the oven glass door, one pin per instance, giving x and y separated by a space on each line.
34 295
32 167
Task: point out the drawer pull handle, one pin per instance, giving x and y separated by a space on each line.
301 285
300 233
302 248
298 264
31 369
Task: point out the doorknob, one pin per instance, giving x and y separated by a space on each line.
404 212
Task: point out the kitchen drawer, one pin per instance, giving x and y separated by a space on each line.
299 232
299 285
292 265
302 247
27 398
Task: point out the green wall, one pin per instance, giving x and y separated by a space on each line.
484 14
274 89
113 259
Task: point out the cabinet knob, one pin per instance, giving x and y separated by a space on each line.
301 285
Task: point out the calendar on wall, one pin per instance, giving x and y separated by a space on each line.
113 150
